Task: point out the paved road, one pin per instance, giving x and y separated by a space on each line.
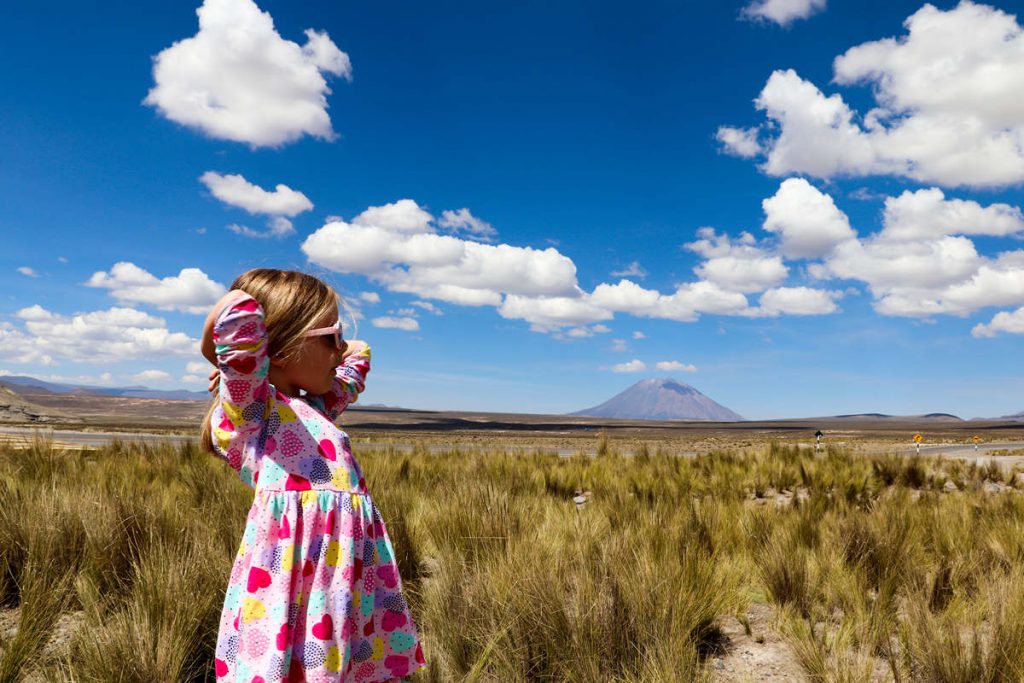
969 453
964 450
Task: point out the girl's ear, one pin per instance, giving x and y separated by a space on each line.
278 360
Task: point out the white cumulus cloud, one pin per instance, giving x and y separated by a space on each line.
191 290
797 301
684 305
947 106
404 215
739 265
634 365
113 335
807 221
922 262
546 313
238 79
397 246
1003 322
235 190
995 282
370 297
740 142
28 271
927 214
18 347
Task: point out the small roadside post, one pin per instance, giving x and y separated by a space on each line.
917 442
817 440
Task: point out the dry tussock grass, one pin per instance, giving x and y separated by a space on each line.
873 566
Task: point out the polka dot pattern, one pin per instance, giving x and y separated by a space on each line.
395 602
313 655
256 643
291 445
362 651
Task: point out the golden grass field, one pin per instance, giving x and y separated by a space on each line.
765 562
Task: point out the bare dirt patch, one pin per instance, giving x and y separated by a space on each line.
763 655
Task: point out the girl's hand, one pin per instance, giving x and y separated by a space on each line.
352 346
214 380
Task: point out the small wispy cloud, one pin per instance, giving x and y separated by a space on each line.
782 12
277 226
464 221
396 323
634 365
428 307
675 366
29 272
634 269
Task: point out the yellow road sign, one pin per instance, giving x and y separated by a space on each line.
918 438
976 438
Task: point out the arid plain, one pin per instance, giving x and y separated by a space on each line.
942 434
638 551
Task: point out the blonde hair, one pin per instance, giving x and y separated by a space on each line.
293 303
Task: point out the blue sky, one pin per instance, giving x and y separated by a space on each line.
799 207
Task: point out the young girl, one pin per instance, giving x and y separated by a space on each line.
314 593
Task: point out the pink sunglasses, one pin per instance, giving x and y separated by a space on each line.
334 330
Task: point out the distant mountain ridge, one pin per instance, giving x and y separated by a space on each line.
937 417
26 386
662 399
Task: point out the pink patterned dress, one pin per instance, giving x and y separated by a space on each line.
314 593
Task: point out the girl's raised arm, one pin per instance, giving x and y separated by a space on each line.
349 378
207 345
239 337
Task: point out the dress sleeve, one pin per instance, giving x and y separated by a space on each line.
240 336
349 381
